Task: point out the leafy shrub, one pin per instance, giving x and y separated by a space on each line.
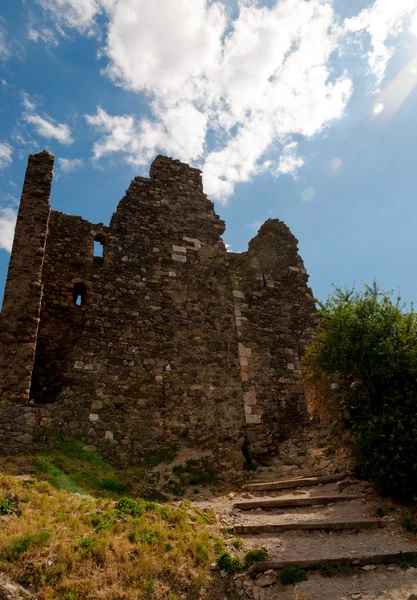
7 506
129 506
381 512
291 574
86 544
255 555
230 564
174 487
344 568
371 340
326 570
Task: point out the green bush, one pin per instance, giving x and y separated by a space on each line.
129 506
370 339
291 574
255 555
7 506
230 564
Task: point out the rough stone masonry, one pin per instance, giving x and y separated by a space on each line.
165 341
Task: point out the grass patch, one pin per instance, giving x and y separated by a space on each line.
237 543
23 543
291 574
69 464
67 545
381 512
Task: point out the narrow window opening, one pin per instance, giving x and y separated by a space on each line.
79 294
98 248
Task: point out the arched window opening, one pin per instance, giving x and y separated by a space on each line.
98 248
79 294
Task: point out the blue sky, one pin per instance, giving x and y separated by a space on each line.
295 109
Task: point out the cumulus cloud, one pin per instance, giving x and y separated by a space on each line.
382 21
6 152
70 164
289 162
7 225
225 91
249 83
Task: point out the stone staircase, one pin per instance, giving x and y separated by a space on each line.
322 523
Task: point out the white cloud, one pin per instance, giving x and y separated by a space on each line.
44 34
7 225
79 14
6 152
224 91
70 164
289 162
45 128
252 83
382 21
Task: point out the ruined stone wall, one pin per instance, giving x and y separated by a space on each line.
165 342
70 270
19 318
273 316
157 363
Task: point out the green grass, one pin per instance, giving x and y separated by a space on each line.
22 544
69 464
67 545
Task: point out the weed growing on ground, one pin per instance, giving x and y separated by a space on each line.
237 543
409 522
228 563
7 506
408 561
291 574
255 555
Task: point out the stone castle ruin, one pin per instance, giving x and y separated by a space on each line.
164 341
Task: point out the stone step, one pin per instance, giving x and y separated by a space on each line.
354 561
296 501
295 482
256 528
